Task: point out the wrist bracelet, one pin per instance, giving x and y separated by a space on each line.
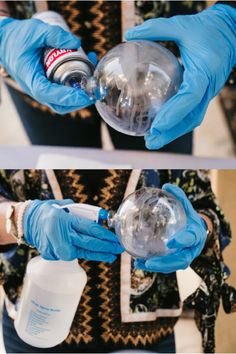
20 222
10 225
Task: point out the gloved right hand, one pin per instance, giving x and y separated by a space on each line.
60 235
187 243
207 44
21 46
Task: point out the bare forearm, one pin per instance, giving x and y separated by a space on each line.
4 9
5 238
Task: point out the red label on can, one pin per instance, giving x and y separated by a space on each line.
54 54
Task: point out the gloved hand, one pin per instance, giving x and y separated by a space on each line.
207 43
21 47
57 234
187 243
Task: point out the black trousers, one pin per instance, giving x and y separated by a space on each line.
43 128
13 343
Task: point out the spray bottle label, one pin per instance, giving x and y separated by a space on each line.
45 315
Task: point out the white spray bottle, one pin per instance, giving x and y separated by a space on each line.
52 291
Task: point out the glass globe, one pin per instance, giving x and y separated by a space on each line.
146 220
134 80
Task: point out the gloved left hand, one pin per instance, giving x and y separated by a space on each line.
57 234
187 243
21 46
207 43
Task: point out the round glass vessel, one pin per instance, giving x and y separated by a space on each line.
133 81
146 220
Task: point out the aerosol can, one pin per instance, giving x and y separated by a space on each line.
68 67
52 291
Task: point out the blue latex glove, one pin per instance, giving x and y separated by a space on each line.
207 43
187 243
21 47
57 234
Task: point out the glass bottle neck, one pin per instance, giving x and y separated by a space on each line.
107 217
90 85
111 219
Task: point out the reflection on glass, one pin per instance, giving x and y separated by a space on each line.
131 82
146 220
